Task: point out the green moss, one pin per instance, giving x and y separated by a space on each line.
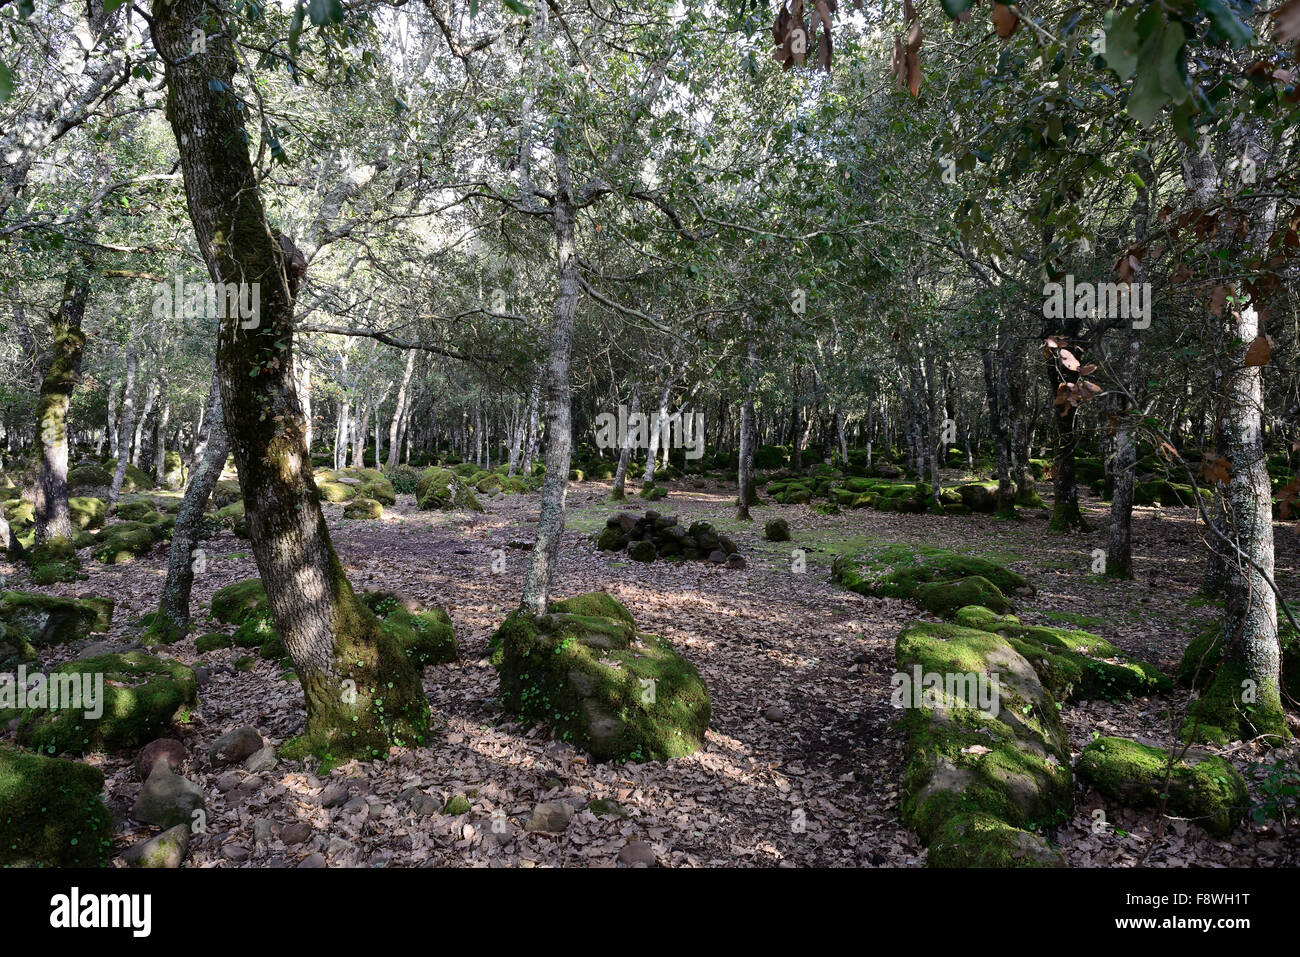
87 513
363 508
240 600
601 685
1206 789
124 541
439 488
335 492
42 620
944 598
427 637
977 616
895 570
245 663
611 539
596 604
89 476
55 560
134 511
457 805
141 693
51 812
981 840
381 491
212 641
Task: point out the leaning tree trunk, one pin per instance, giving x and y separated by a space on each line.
559 438
52 517
184 559
125 427
362 692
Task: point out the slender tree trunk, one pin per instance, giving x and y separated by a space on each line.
160 441
530 440
362 693
125 427
652 453
625 451
748 493
550 527
399 412
51 498
185 558
137 444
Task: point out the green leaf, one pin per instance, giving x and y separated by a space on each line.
1122 44
1173 65
955 8
6 83
325 11
1226 24
517 7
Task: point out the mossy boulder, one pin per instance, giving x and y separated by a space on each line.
89 476
363 508
43 620
982 840
944 598
653 493
54 560
125 541
52 813
611 539
969 751
381 491
599 683
136 480
1202 787
212 641
1205 651
232 516
225 492
238 601
439 488
425 634
87 513
895 570
141 695
777 530
173 474
134 511
336 492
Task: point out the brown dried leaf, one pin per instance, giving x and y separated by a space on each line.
1259 352
1005 20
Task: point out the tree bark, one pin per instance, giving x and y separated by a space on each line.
747 495
362 693
125 427
625 452
394 449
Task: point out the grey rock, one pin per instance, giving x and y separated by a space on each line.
261 832
336 795
165 850
313 861
550 816
167 750
167 799
637 853
263 760
235 746
295 832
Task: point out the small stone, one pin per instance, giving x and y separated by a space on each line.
358 803
340 847
167 799
736 562
335 795
235 746
550 816
228 782
167 750
717 556
261 832
637 853
263 760
425 806
313 860
165 850
235 852
202 676
774 713
296 832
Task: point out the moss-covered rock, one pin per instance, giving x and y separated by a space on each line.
87 513
613 691
52 813
135 511
54 560
240 600
425 634
944 598
225 492
381 491
212 641
1202 787
336 492
895 570
125 541
141 695
439 488
363 508
89 476
777 530
232 517
611 539
982 840
653 493
42 620
1008 758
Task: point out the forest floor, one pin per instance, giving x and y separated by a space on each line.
802 761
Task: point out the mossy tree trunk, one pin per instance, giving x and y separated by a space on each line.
362 693
559 437
173 618
51 491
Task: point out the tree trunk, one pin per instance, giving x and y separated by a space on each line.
747 494
393 448
160 442
184 559
125 427
625 452
362 693
51 498
559 438
137 443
